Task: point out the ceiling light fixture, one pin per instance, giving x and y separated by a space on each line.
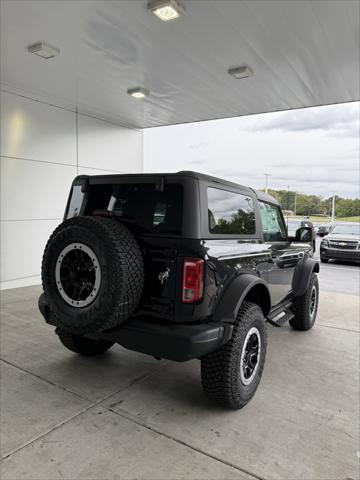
241 72
166 10
138 92
44 50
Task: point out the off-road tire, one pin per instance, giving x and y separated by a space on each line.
324 260
82 345
122 274
303 318
220 370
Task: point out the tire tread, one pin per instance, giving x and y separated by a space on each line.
125 275
302 319
219 369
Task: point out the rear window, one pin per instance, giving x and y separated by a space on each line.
142 205
230 212
76 200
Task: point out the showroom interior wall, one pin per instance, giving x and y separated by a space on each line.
43 147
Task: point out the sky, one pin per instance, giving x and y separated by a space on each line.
313 150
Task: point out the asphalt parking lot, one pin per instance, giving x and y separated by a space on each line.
128 416
335 276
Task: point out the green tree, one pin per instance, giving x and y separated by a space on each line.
240 222
315 205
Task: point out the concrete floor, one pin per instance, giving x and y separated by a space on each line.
128 416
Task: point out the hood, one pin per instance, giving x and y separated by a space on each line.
340 237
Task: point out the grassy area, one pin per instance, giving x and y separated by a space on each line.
326 219
349 219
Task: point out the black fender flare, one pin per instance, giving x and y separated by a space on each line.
302 275
229 303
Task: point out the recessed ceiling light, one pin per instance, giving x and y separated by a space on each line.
44 50
166 10
138 92
241 72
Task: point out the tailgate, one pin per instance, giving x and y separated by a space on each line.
160 281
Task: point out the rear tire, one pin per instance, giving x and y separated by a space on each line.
324 260
231 374
82 345
305 307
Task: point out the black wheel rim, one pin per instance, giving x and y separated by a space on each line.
250 356
313 301
78 275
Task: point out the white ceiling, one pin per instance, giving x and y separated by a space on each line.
304 53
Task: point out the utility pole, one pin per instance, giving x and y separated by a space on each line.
288 205
295 205
267 175
333 208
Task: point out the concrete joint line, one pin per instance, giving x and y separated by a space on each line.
338 328
45 380
188 445
83 410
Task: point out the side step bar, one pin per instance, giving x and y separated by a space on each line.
279 317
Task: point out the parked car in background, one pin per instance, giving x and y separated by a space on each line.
342 243
316 227
324 229
294 224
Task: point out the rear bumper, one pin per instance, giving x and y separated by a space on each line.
337 254
178 342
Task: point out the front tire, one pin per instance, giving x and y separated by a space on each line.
305 307
82 345
231 374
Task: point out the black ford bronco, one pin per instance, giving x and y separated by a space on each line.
178 266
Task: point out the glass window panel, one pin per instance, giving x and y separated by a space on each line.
230 212
272 222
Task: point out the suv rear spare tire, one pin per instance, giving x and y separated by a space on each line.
92 274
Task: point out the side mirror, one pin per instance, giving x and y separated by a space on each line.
304 234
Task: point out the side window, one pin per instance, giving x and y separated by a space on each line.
272 223
230 213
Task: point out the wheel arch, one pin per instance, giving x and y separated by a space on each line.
260 295
245 287
302 275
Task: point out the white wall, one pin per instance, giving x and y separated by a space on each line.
42 148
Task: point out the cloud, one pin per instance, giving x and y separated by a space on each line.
309 179
196 146
337 120
314 150
197 161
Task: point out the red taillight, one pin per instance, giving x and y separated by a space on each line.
193 280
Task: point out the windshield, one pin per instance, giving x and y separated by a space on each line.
350 229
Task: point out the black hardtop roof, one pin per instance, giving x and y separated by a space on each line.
187 173
209 178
